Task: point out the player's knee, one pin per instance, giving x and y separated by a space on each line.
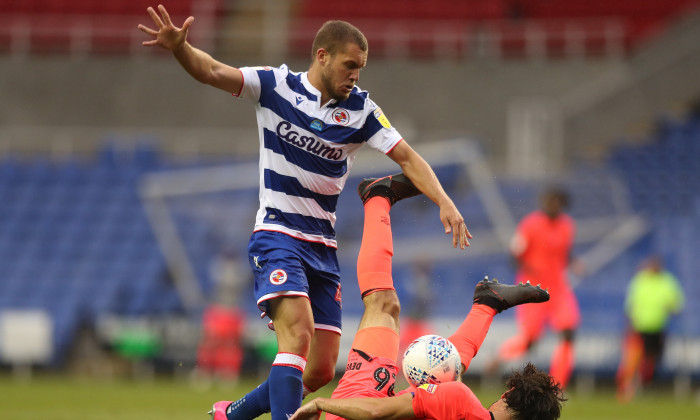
302 335
384 301
318 377
568 335
294 338
392 306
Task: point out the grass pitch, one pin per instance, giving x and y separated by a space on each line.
59 398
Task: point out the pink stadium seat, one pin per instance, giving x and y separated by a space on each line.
52 23
405 9
417 19
50 34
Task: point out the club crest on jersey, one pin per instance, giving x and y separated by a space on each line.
383 120
317 125
341 116
278 277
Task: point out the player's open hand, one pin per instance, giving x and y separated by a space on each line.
308 411
168 35
454 223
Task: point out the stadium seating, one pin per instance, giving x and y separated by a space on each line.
90 7
426 28
84 26
516 26
75 240
663 179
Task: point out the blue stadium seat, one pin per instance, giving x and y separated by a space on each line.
663 178
74 237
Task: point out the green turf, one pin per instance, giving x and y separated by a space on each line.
58 398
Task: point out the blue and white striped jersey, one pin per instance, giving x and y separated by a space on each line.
307 149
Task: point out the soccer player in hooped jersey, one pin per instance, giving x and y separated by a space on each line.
366 390
311 125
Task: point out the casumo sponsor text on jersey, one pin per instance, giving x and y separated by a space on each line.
307 149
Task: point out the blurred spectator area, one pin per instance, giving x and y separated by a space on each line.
507 28
396 28
90 26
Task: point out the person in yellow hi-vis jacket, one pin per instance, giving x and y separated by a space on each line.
653 296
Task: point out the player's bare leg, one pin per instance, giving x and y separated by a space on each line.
323 355
293 323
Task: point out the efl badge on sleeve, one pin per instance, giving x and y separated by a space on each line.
383 120
431 388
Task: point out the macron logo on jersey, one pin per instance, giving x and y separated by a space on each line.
308 143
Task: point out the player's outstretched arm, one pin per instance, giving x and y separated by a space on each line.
424 178
197 63
392 408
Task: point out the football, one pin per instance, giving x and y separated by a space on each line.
431 359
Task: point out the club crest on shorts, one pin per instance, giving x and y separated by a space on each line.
278 277
341 116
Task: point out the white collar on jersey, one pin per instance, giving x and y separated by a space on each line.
312 89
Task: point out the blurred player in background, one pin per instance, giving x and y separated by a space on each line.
542 249
220 349
311 126
366 390
653 296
